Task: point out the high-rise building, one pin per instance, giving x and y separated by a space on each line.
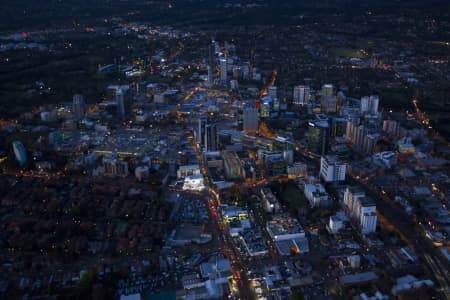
251 120
211 63
391 127
302 95
272 91
328 104
200 133
120 101
210 81
338 126
223 71
332 169
365 213
318 137
210 137
327 90
288 156
369 105
266 107
20 152
78 106
351 195
361 208
370 140
359 136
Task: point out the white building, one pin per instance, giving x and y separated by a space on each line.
316 195
302 95
332 169
369 105
351 195
194 183
386 159
365 212
187 170
335 224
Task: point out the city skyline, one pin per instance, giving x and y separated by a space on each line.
246 149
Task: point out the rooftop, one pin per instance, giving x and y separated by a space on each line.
284 226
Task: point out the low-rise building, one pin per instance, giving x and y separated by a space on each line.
187 170
270 202
296 170
194 183
316 195
288 236
115 167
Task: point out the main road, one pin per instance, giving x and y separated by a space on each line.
238 266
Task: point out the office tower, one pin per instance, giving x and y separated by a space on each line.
120 103
211 64
359 136
370 140
338 126
266 107
200 133
20 152
223 71
332 169
327 90
78 106
288 156
318 137
251 120
210 81
302 95
210 137
272 91
369 105
328 104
